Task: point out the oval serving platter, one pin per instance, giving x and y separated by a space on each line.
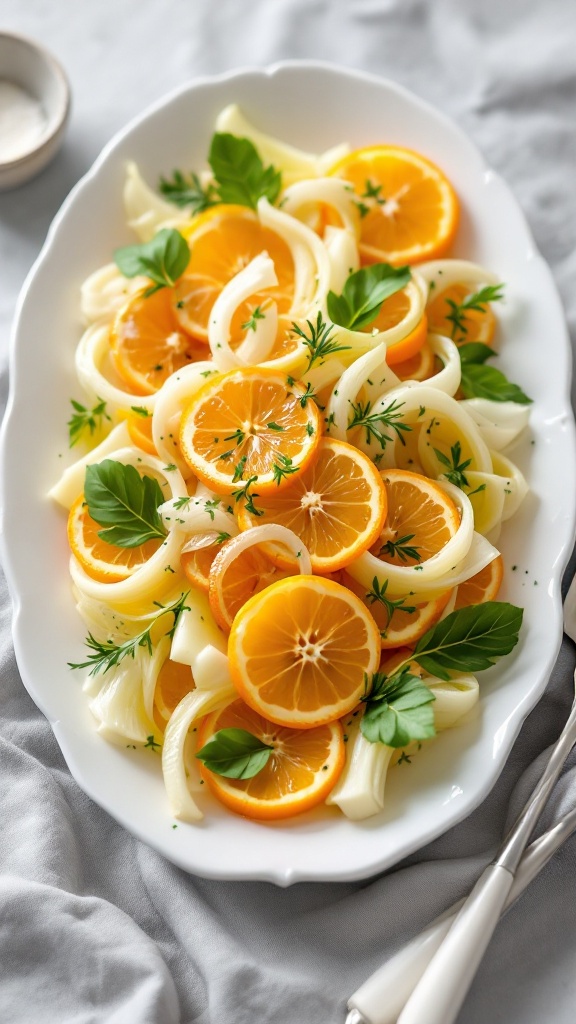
313 106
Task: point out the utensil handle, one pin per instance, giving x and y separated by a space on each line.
383 995
440 992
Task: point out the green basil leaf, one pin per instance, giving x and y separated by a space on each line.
363 294
235 753
470 639
398 711
239 172
475 352
487 382
124 502
163 259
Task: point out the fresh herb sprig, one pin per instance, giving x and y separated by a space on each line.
186 190
378 594
401 548
363 294
105 654
481 381
318 340
84 419
468 640
163 259
235 753
454 469
373 422
124 503
239 177
477 301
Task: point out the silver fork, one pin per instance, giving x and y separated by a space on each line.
428 979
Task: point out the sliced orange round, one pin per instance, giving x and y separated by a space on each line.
300 650
392 311
222 242
300 772
420 521
409 208
140 429
249 428
174 682
484 586
230 586
472 325
196 565
399 624
100 560
418 367
147 344
337 507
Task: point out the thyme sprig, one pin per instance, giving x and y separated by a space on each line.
105 654
83 419
318 340
378 594
372 422
477 301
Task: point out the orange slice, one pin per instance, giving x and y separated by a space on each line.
140 430
173 683
400 627
196 565
477 325
299 651
484 586
420 520
418 367
410 210
249 424
223 241
299 774
147 344
229 588
100 560
337 507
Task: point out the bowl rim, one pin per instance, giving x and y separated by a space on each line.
56 121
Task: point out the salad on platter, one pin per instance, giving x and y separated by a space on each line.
284 521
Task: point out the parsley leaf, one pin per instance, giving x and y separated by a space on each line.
363 294
239 172
235 753
480 381
163 259
398 710
124 502
469 639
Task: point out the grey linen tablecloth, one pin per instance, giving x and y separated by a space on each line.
94 926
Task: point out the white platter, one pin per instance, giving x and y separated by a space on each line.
313 106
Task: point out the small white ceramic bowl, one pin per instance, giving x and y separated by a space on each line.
25 64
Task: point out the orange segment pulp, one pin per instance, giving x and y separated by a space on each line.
410 210
299 651
147 344
222 242
420 521
299 774
477 325
406 624
229 588
100 560
337 507
249 424
173 683
484 586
